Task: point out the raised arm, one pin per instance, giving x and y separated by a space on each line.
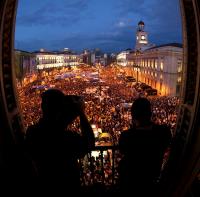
87 132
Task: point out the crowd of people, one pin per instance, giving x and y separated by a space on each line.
107 100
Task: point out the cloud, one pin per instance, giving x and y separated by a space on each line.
75 4
118 39
121 24
51 20
130 6
159 16
53 13
124 23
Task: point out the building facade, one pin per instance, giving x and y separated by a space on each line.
25 63
161 68
157 66
124 57
56 59
86 57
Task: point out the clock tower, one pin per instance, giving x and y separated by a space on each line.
141 37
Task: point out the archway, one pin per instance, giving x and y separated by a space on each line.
184 161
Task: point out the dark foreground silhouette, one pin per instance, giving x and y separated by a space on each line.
55 150
143 147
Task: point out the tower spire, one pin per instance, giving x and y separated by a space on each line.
141 37
141 26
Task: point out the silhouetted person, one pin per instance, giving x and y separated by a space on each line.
143 147
56 150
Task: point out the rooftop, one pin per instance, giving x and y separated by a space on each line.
166 45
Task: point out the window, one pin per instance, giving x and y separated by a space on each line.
156 64
179 79
161 66
179 67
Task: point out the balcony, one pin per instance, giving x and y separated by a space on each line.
99 170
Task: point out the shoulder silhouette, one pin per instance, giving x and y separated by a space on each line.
55 149
143 147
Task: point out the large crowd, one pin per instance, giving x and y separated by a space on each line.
107 102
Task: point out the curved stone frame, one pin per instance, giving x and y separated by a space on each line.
184 161
11 124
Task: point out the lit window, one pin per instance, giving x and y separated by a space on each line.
161 66
179 66
156 65
179 79
152 64
179 69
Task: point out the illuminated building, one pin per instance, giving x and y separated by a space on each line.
123 57
65 58
158 66
161 68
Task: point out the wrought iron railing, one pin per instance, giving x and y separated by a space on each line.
100 166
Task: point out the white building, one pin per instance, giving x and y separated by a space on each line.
56 59
158 66
123 58
161 68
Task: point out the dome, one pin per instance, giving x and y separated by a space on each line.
141 23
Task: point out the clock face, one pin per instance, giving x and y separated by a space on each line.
143 37
137 37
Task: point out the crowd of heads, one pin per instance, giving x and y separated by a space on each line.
107 106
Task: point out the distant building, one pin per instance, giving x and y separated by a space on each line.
66 58
98 57
123 57
93 58
86 57
25 63
112 58
158 66
161 68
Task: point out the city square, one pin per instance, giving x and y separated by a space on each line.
100 98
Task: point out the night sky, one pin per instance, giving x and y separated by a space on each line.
106 24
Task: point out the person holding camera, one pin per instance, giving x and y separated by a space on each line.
56 150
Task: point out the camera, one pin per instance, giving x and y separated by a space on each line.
74 102
73 99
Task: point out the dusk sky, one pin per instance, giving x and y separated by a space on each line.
106 24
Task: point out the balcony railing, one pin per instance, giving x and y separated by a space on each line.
101 166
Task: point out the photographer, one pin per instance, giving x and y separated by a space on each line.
55 149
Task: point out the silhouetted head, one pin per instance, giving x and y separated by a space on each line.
52 103
141 110
58 108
